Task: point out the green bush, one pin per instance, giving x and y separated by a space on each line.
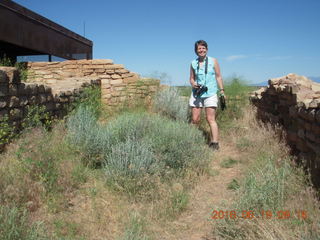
168 102
90 98
134 145
6 130
36 116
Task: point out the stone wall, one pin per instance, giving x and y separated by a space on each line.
293 101
16 96
117 83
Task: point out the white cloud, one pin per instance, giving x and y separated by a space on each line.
280 57
235 57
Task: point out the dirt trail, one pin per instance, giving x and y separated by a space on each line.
196 223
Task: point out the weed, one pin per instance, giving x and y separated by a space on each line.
243 143
178 202
14 225
90 98
65 229
135 230
36 116
6 130
233 185
4 61
228 163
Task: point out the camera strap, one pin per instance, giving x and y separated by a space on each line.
205 70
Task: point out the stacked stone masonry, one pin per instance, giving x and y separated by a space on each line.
118 85
293 101
55 85
16 96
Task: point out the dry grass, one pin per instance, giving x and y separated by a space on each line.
74 201
258 142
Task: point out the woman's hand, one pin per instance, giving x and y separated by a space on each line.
194 85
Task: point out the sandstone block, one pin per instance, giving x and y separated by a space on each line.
66 74
33 88
14 102
12 74
102 61
106 96
121 71
4 90
33 100
130 79
41 89
100 70
292 136
311 136
116 82
110 71
293 111
39 64
115 94
47 89
13 89
113 66
3 77
23 101
21 89
51 81
71 66
42 98
3 102
125 75
315 128
302 146
115 76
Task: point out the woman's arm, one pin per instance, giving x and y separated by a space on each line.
218 75
192 78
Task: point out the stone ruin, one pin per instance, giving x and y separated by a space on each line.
293 102
55 85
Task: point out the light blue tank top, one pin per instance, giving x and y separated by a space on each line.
208 79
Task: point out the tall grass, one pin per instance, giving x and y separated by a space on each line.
271 183
14 226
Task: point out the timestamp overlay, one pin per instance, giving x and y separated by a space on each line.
261 214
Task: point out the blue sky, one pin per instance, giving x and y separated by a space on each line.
254 39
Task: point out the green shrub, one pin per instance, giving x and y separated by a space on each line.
6 130
6 62
131 158
36 116
135 145
90 98
168 102
14 226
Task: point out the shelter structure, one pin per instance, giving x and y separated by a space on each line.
24 32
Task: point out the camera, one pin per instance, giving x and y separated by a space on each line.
200 90
222 101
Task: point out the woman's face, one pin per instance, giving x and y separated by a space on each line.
201 51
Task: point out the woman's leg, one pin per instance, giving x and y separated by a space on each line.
211 118
196 112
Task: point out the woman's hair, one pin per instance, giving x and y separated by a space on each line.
200 42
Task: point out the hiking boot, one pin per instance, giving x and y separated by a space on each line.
214 146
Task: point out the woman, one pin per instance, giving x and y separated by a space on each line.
204 77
